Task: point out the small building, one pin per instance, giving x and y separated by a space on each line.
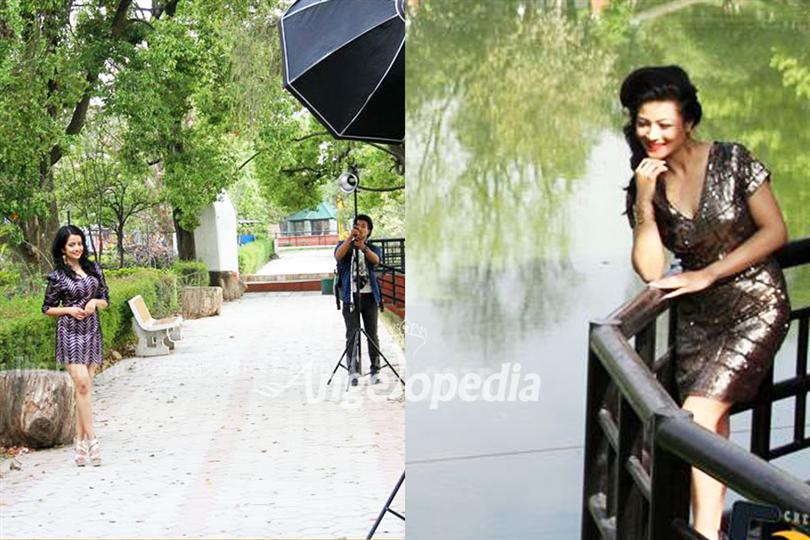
317 227
321 221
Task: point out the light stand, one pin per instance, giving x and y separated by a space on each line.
349 182
387 508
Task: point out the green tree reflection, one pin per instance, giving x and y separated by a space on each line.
501 120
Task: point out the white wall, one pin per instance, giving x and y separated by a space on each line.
215 238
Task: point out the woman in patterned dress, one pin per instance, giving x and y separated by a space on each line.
711 205
79 286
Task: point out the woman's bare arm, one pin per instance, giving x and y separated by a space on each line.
771 235
648 255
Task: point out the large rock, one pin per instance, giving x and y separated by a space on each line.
201 301
37 408
232 286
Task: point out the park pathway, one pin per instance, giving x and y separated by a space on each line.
233 435
306 260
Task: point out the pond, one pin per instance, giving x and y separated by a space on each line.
516 168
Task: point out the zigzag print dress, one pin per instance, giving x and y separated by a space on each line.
77 341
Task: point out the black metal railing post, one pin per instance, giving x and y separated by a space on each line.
761 418
629 500
594 514
645 344
799 415
670 481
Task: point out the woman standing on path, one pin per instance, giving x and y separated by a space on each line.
711 205
79 286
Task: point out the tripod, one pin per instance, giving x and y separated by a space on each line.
387 508
354 361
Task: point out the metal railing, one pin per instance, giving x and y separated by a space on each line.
305 239
387 275
640 445
393 252
391 270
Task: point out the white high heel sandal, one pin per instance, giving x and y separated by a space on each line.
94 449
80 452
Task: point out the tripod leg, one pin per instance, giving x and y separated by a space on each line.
377 349
339 364
387 508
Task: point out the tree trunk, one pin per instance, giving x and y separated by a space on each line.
232 286
39 231
119 244
100 246
186 249
38 408
201 301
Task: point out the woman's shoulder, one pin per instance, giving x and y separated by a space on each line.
728 147
732 149
733 154
55 276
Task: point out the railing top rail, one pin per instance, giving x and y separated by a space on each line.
744 472
381 268
794 253
641 310
633 378
372 240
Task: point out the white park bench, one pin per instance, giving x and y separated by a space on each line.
155 337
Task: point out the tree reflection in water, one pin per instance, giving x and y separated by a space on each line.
498 138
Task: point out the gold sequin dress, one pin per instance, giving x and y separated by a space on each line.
727 334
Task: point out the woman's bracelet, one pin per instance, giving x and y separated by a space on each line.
638 215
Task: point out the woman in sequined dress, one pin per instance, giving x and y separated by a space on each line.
79 286
711 205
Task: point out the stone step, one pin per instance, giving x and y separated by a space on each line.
288 277
284 286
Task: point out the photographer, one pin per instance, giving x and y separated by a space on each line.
368 256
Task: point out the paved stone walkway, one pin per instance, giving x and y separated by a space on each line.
233 435
300 261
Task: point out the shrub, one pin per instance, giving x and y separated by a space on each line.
254 255
191 273
27 337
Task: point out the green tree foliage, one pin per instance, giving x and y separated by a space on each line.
175 102
54 58
98 187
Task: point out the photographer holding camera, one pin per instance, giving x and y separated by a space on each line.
370 299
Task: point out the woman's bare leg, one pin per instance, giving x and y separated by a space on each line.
708 495
83 385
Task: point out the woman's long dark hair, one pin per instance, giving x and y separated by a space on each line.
655 83
59 243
